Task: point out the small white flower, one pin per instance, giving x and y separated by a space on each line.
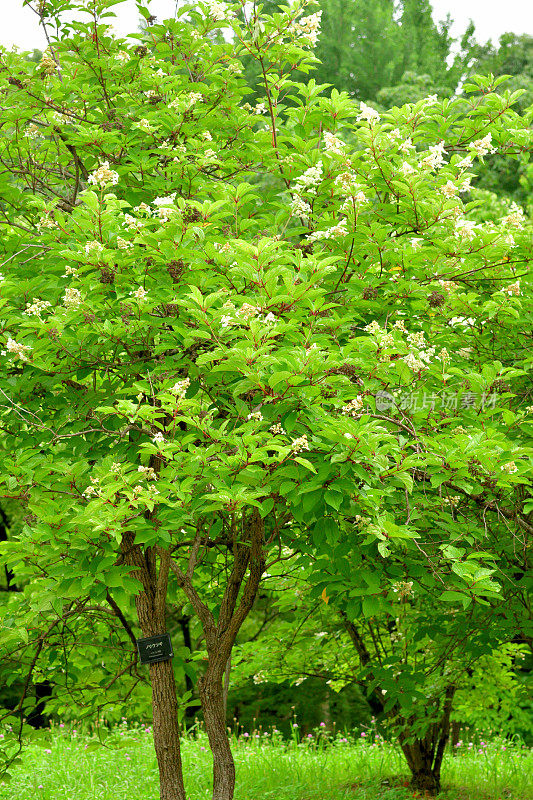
449 189
465 229
72 298
310 178
332 144
483 146
353 408
406 146
435 156
368 114
145 125
19 350
276 428
123 244
158 438
180 388
297 445
407 168
95 248
515 218
299 207
139 293
510 467
103 176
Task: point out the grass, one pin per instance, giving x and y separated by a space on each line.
67 763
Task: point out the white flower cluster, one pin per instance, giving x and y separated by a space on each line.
20 350
332 144
407 169
515 218
404 589
406 146
145 125
47 64
373 327
414 363
463 322
260 108
256 416
449 189
217 10
47 221
483 146
132 223
514 288
243 314
309 179
139 294
37 307
444 357
149 493
297 445
465 229
94 247
103 176
72 298
276 428
368 114
164 207
299 207
158 438
93 489
416 339
453 500
510 467
435 157
180 388
123 244
353 408
307 27
330 233
70 272
148 472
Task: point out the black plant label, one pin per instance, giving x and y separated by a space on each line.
155 648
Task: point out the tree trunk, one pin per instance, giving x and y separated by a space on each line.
425 774
424 756
212 698
151 611
166 731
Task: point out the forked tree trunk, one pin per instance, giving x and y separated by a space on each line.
212 698
424 756
425 774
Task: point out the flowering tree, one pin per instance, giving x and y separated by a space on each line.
211 313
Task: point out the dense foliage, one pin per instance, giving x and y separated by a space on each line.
256 343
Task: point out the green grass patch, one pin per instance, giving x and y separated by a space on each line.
65 762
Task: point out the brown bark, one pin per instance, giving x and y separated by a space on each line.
424 756
150 605
212 699
220 636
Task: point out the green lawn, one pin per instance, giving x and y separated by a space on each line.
68 764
